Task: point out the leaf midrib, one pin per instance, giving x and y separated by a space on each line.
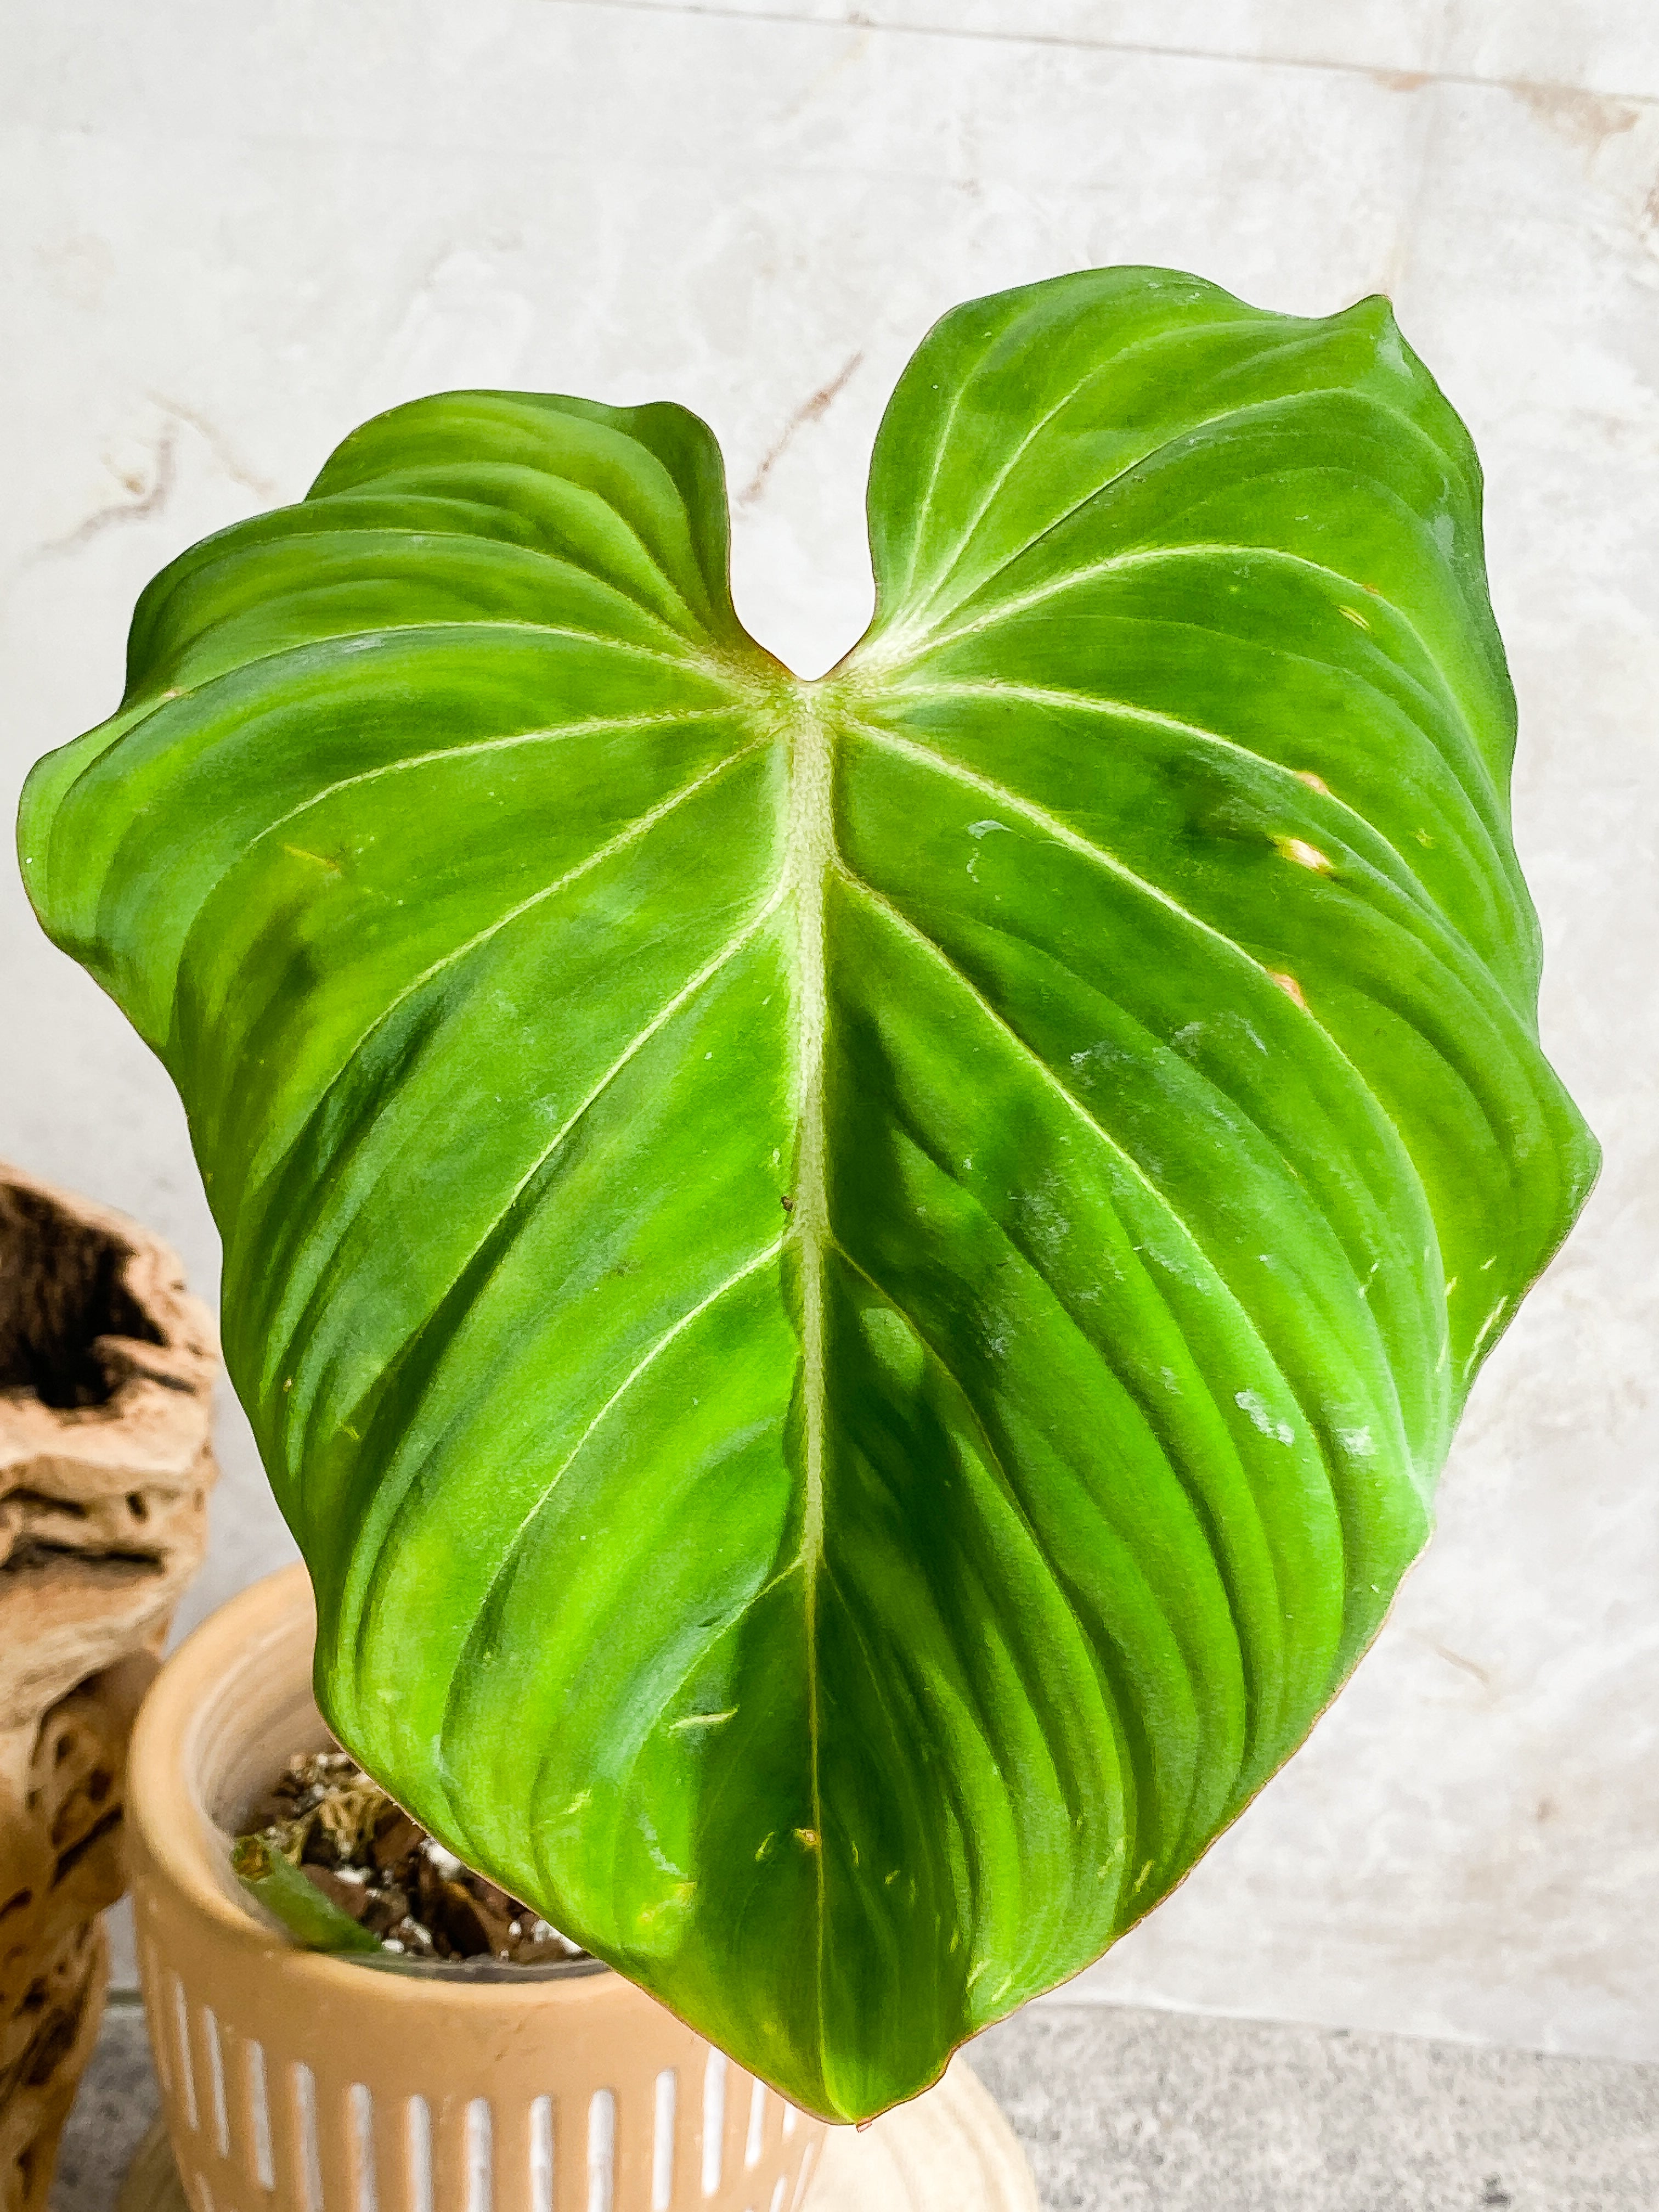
809 848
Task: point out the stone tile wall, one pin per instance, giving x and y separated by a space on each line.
231 235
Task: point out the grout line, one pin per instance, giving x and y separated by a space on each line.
1399 79
1429 137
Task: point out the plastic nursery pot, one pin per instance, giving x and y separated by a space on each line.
302 2082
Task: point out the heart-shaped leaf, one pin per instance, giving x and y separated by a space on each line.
855 1291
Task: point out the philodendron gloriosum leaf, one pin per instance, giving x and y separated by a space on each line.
856 1290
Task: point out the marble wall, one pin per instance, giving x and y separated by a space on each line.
232 232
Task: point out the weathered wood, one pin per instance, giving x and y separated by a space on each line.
106 1369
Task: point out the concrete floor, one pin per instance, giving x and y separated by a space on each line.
1122 2110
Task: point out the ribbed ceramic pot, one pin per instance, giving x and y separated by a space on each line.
296 2082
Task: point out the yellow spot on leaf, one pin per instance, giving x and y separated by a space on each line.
1304 855
1288 985
299 852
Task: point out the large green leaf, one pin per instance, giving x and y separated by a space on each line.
855 1291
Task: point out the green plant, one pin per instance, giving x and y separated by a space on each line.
855 1291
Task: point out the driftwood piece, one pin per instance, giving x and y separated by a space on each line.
106 1369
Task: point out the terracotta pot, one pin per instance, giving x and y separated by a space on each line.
305 2084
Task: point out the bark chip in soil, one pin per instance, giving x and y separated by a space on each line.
368 1856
